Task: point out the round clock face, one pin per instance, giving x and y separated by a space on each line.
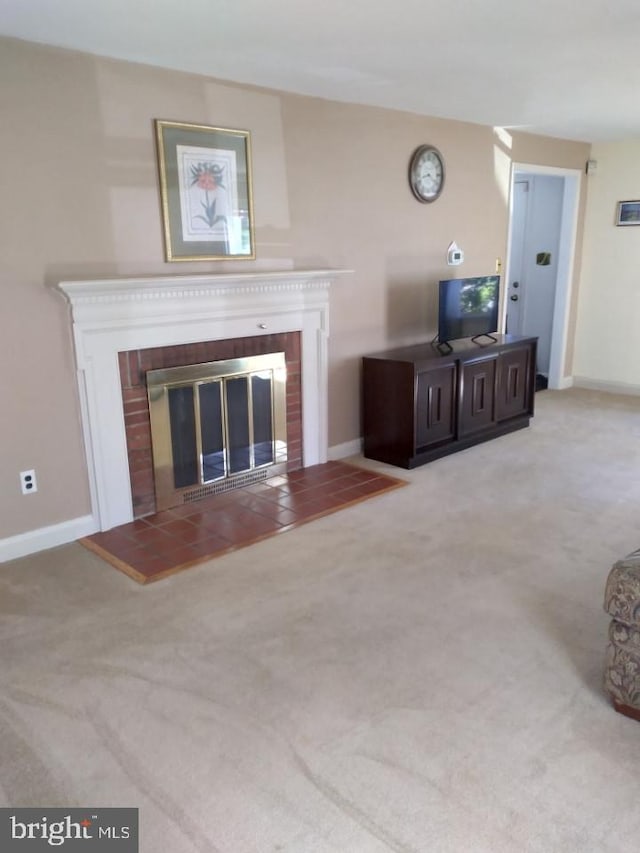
426 173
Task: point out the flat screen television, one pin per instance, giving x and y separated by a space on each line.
468 307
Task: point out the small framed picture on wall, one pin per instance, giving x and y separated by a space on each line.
628 213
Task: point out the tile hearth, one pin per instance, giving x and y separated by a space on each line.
159 545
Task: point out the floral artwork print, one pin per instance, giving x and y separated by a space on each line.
209 178
205 191
208 193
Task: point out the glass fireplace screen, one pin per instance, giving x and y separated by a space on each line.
215 422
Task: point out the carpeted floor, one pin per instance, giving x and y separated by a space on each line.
420 672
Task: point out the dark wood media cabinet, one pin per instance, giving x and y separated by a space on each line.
421 403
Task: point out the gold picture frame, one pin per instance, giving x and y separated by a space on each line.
205 191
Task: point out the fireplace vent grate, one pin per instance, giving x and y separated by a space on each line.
227 485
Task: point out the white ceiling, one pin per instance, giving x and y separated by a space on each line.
567 68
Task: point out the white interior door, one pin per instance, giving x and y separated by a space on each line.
558 300
515 289
533 263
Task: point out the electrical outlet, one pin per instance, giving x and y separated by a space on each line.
28 482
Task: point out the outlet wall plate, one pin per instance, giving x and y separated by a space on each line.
28 482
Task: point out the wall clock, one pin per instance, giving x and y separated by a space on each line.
426 173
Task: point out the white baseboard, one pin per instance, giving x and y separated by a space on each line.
46 537
606 386
564 383
24 544
348 448
33 541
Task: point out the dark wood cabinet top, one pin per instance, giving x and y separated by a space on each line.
461 349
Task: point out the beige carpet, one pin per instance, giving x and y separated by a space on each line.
420 672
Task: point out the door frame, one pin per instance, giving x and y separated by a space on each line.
566 262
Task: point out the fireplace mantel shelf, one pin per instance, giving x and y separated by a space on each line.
116 315
162 290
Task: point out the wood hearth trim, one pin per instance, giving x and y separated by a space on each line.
321 480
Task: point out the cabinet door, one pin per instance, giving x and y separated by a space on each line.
514 371
477 395
388 410
435 405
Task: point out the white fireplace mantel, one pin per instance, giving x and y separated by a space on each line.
112 316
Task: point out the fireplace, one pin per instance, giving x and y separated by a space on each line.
117 316
135 367
216 426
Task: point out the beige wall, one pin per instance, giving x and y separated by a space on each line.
79 199
610 297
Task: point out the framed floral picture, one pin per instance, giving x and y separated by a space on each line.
628 213
205 191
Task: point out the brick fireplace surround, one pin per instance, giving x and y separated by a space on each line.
117 316
133 367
